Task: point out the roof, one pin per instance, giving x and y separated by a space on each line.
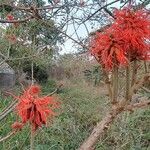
5 68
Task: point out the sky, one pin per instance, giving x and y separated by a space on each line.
69 45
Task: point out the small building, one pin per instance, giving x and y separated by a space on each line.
7 76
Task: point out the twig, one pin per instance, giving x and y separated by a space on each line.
37 8
145 67
4 114
32 137
7 108
145 89
32 73
109 12
7 136
79 43
99 10
142 5
55 91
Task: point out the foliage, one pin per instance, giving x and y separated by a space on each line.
39 72
31 40
94 75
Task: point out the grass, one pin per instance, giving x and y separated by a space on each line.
82 106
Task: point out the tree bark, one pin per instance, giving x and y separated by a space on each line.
98 131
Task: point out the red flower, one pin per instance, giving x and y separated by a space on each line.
10 17
108 49
128 37
134 29
17 126
35 109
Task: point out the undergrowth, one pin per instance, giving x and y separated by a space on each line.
81 108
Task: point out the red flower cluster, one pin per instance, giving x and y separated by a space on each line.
108 49
134 29
10 17
35 109
125 40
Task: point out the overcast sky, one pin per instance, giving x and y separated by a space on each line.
81 31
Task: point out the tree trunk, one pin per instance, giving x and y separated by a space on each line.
98 131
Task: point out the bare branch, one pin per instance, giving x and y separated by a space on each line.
100 10
109 12
98 131
79 43
106 122
8 111
142 5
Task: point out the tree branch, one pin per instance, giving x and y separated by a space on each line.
142 5
106 122
98 131
8 111
16 21
109 12
79 43
100 10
